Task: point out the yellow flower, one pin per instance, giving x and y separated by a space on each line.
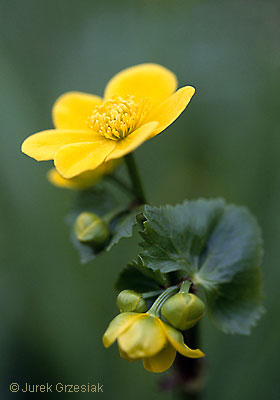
86 179
138 103
145 336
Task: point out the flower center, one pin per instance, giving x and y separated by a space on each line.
117 117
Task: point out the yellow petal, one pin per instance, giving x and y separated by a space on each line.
170 109
143 338
84 180
150 81
117 326
44 145
74 159
80 182
161 361
132 141
72 110
177 341
125 356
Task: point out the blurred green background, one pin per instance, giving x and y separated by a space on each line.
54 310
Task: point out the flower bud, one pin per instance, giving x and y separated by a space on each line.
183 310
91 229
130 301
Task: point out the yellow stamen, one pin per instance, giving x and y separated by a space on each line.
117 117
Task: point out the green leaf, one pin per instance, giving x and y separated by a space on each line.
237 305
219 247
140 279
124 227
86 252
174 237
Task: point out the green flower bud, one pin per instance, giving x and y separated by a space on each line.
91 229
183 310
130 301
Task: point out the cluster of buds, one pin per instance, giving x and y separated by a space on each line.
182 310
154 336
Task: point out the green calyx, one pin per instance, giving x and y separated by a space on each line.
131 301
89 228
183 310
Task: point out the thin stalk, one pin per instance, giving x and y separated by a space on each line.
115 213
113 178
185 287
149 295
133 172
155 309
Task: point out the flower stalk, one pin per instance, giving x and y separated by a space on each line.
155 309
121 184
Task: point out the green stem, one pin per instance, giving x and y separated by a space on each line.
116 212
185 287
155 309
149 295
120 183
132 169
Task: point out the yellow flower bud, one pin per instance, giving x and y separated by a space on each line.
146 337
128 301
91 229
183 310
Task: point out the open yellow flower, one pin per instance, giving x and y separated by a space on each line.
146 337
86 179
138 103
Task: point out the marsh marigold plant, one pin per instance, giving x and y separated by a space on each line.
200 247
